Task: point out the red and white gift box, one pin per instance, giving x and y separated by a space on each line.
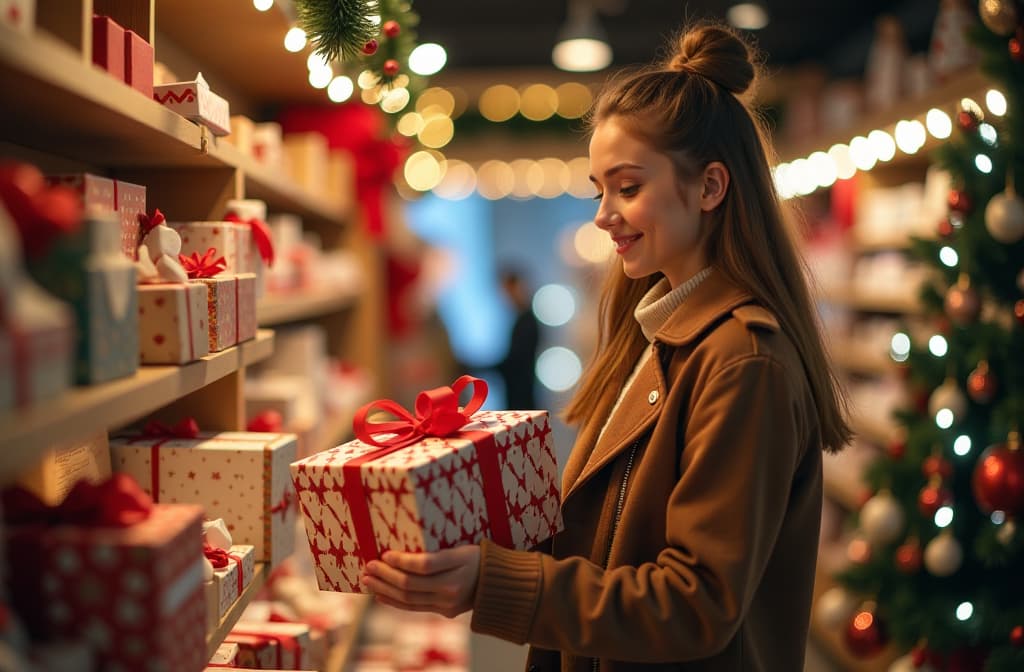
133 592
231 240
241 477
289 642
252 212
106 194
488 474
18 14
194 100
172 323
229 581
231 309
226 655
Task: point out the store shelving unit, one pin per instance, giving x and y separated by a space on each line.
343 653
295 307
215 637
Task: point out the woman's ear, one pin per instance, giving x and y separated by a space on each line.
715 184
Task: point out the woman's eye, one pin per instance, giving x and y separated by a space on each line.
598 197
631 190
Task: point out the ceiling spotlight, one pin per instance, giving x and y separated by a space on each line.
582 44
748 16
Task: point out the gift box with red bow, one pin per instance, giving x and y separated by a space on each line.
230 299
288 641
18 14
241 477
232 571
252 212
443 477
173 323
109 195
110 567
230 239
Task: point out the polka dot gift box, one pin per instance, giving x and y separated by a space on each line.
241 477
231 240
172 323
125 576
466 476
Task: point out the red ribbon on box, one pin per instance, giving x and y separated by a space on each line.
148 222
116 502
260 235
220 558
437 414
205 266
284 643
187 428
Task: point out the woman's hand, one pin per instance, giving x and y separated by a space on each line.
443 582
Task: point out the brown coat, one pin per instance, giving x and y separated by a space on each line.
713 463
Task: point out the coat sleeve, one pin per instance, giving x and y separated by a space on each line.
725 512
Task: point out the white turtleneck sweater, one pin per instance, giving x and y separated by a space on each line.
651 312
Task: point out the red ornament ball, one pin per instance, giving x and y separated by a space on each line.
866 634
945 228
370 48
919 656
391 67
963 305
959 200
1018 311
391 28
982 384
936 465
933 498
1016 47
896 450
967 120
909 557
1017 635
998 480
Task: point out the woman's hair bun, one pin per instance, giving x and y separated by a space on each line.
718 53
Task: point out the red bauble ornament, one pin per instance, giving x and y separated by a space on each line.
391 28
908 557
998 480
1017 635
967 120
982 384
933 498
866 635
370 48
936 465
1018 311
963 305
959 200
1016 47
896 450
945 228
391 67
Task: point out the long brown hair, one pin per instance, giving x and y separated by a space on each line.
692 107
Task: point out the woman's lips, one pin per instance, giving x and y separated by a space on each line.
623 243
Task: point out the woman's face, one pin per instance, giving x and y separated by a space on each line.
652 217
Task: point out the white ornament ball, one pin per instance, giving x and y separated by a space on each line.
834 607
881 518
1004 217
943 555
948 395
906 664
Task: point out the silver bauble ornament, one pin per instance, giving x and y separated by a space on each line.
1000 16
948 395
881 519
833 608
943 555
1004 217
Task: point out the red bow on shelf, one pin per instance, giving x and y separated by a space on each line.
205 266
41 213
187 428
218 557
150 222
116 502
260 235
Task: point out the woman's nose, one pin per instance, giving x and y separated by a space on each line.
605 218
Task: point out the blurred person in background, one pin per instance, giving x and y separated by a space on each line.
518 367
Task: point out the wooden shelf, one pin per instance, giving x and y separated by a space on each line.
214 639
282 308
341 655
25 434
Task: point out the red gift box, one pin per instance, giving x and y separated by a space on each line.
138 63
108 40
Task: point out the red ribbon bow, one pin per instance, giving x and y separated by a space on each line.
116 502
42 214
150 222
218 557
205 266
187 428
437 414
260 235
284 504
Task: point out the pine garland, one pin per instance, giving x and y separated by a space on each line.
339 28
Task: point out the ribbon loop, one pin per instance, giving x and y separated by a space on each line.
260 235
116 502
150 222
187 428
206 266
218 557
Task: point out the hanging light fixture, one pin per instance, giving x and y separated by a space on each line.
582 44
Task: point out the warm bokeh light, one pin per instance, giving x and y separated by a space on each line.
262 5
840 155
823 168
410 124
939 124
367 80
529 178
910 136
340 89
574 99
423 170
556 178
592 244
321 77
862 153
495 179
295 39
580 185
372 96
427 59
883 145
436 99
995 101
538 102
499 103
459 181
962 445
437 131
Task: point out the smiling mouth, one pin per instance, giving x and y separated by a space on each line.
623 243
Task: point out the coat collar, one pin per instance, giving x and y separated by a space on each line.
711 300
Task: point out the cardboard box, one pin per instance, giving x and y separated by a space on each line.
52 477
108 45
194 100
138 63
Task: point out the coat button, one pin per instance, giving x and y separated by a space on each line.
533 668
652 397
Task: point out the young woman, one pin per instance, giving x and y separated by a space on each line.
693 495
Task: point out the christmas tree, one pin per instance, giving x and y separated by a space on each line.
945 578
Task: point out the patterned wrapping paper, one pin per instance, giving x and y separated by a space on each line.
231 309
194 100
247 209
105 194
36 350
226 655
134 594
430 495
291 640
172 323
258 653
229 582
241 477
232 241
18 14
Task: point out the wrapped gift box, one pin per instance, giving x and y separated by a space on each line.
105 194
286 231
307 160
108 45
241 477
341 179
133 593
138 63
226 655
289 641
85 459
18 14
229 582
172 323
37 340
257 653
290 395
242 128
436 493
252 212
194 100
87 270
230 239
230 309
267 140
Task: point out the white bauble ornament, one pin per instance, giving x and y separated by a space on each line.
881 518
1004 217
834 607
999 16
948 395
906 664
943 555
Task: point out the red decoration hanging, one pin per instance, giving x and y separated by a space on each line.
896 450
967 120
959 200
370 48
998 480
936 465
41 213
1017 636
982 384
391 28
962 304
1016 46
866 634
945 229
1018 311
908 557
932 498
391 67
